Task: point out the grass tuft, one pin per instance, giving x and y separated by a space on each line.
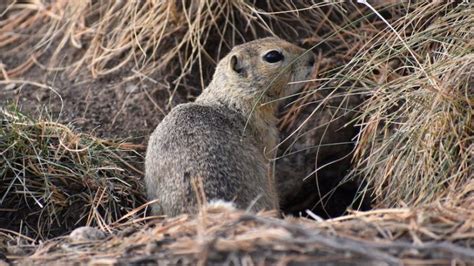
53 179
415 144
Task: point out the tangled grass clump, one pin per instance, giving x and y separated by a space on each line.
112 34
416 145
219 235
167 40
53 180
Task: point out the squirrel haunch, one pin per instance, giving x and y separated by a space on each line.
221 144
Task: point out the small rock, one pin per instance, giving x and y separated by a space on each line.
131 88
10 87
86 233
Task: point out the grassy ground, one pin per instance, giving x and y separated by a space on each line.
54 179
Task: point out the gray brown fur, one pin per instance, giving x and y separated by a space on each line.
227 136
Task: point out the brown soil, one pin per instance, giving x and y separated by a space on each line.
107 107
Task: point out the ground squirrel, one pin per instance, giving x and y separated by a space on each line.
227 136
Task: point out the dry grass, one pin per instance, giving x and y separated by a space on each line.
436 234
169 39
415 145
152 37
53 180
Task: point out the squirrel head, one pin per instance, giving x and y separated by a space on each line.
262 69
255 75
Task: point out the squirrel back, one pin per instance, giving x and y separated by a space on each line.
205 143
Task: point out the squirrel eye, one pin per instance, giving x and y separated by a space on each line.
273 56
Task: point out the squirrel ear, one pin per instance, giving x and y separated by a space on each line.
236 65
